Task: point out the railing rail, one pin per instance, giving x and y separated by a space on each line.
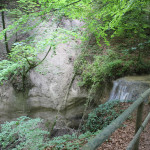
132 143
106 133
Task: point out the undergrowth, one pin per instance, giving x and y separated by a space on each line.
27 133
107 64
102 116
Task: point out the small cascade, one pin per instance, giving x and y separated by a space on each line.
119 91
125 89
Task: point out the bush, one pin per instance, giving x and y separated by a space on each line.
71 142
24 133
103 68
102 116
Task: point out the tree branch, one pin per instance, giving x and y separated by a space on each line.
31 67
44 57
72 3
28 61
67 5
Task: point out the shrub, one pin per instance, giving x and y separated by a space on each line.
103 116
71 142
24 133
103 68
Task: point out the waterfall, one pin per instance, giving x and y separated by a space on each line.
125 89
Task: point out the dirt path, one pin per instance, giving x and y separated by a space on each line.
121 137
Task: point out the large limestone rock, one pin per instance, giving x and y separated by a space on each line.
12 104
50 95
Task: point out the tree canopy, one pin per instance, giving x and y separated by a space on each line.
122 17
103 19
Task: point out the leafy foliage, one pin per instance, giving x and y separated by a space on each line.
142 47
102 69
102 116
21 52
118 18
97 65
11 67
102 18
71 142
25 133
21 59
125 18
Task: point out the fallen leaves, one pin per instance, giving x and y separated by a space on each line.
121 137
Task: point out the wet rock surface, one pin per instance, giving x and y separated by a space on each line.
12 104
129 88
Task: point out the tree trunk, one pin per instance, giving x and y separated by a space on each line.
4 27
23 79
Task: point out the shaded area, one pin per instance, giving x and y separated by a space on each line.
121 137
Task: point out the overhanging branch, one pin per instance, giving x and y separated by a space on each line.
33 66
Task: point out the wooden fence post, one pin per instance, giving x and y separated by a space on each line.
138 123
132 143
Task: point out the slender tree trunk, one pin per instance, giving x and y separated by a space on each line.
16 37
23 79
16 30
139 41
4 27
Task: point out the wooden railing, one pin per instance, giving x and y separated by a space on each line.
106 133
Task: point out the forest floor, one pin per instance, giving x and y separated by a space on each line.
122 136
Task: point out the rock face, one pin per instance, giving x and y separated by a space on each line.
48 97
10 41
129 88
51 93
12 104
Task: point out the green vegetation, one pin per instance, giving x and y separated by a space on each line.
105 21
70 142
22 58
100 67
103 115
115 43
26 133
